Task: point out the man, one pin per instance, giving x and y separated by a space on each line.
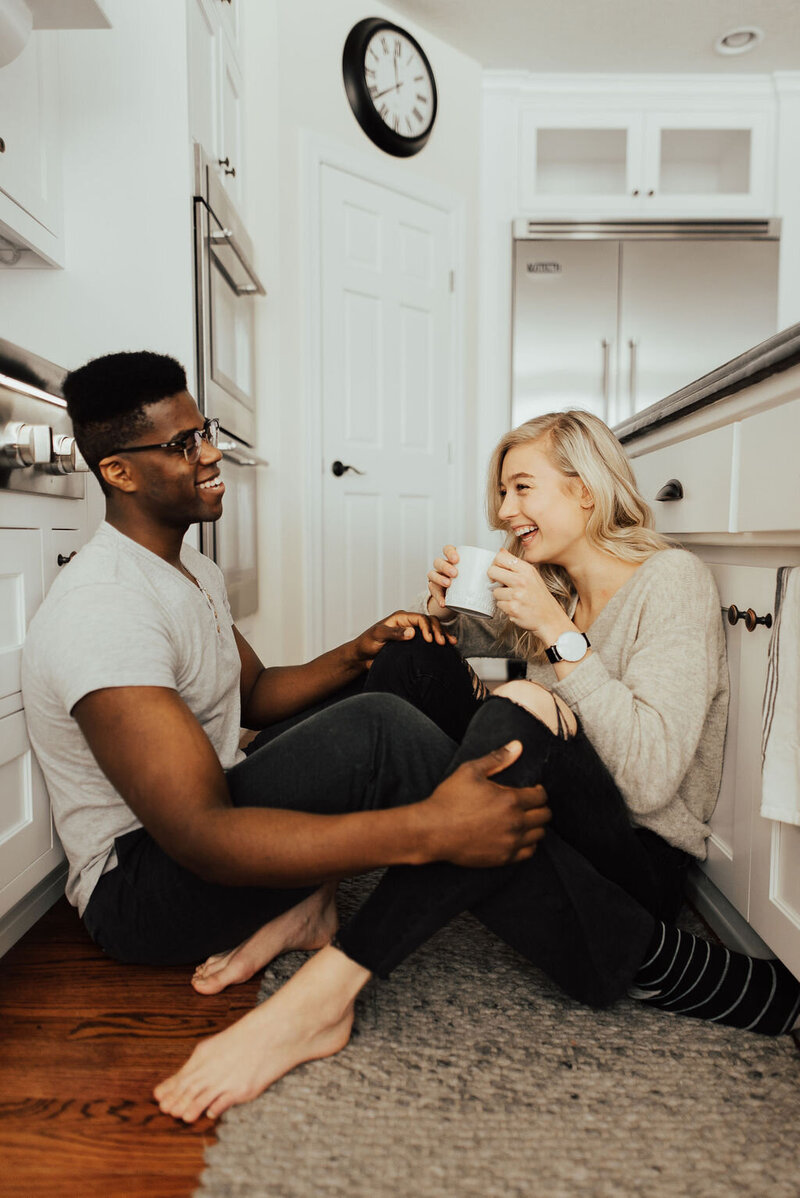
136 684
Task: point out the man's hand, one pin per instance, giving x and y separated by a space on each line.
399 626
476 822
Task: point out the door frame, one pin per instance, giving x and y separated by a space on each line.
318 152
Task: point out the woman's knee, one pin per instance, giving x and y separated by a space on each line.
542 703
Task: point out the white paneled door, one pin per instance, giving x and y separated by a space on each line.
387 405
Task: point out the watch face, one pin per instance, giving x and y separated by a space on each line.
399 83
572 646
390 86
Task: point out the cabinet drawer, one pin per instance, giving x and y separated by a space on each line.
769 471
703 466
28 848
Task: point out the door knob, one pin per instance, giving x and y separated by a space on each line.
339 468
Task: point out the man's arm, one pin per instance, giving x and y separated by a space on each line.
159 759
277 692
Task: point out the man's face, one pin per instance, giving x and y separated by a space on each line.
166 487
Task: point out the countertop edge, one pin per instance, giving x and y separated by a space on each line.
768 357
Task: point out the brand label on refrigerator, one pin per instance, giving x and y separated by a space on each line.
543 268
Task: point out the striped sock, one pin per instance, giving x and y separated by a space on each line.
689 976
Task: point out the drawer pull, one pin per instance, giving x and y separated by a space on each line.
751 620
671 491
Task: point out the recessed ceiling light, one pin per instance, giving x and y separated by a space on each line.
740 40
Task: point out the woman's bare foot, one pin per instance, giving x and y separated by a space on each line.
308 1018
310 924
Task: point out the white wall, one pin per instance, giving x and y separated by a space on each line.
303 46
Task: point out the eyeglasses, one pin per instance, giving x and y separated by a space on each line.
190 444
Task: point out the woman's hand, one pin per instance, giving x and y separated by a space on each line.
439 579
399 626
523 596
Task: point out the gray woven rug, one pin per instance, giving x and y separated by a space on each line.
470 1074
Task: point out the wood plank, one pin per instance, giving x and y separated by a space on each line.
83 1042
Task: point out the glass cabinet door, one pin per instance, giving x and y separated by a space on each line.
580 161
706 158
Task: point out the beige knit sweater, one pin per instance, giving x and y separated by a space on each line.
652 696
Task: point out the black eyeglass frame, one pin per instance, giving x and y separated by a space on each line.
191 442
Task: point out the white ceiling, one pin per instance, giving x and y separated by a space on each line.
618 36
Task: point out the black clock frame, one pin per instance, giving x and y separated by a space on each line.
355 84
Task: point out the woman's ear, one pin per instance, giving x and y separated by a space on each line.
586 497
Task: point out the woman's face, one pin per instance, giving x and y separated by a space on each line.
544 509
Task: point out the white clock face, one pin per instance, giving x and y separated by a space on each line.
399 83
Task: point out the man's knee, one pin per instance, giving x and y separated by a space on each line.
542 703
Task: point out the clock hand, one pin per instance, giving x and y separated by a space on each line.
386 90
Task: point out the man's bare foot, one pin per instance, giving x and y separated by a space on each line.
310 924
308 1018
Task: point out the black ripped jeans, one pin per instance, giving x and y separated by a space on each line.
583 907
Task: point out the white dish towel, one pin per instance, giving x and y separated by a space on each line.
780 734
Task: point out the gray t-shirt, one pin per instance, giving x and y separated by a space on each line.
119 615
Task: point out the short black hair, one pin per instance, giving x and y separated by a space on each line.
106 399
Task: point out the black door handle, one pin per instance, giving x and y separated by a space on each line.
339 469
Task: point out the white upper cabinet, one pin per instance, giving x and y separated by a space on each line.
642 161
215 86
30 199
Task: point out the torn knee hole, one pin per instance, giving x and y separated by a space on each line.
543 704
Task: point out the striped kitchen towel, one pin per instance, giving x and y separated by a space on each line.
780 729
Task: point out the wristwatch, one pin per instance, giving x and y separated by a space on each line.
570 646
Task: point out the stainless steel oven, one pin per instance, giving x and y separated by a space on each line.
233 540
226 287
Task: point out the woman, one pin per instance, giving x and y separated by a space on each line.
622 718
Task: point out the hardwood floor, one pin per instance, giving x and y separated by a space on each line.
83 1041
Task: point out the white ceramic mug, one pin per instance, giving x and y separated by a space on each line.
471 590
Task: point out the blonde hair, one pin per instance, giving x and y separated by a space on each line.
581 447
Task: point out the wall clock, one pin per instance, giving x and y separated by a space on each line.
390 86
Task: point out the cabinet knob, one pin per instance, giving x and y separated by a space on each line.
225 163
751 620
651 192
63 558
2 145
672 490
635 191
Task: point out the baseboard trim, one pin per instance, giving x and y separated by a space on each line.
28 910
722 917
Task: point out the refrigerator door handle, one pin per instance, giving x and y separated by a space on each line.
633 346
606 344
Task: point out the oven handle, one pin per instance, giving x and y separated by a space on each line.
233 453
255 287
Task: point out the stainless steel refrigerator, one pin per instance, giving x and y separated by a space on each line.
613 317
